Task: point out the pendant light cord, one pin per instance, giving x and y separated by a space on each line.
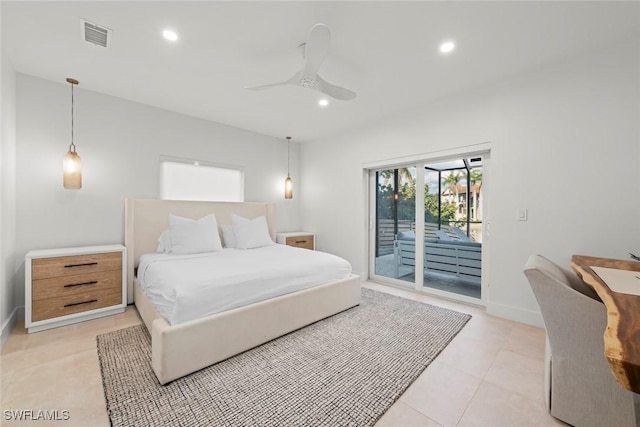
72 147
288 154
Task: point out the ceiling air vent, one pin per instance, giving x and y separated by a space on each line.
95 34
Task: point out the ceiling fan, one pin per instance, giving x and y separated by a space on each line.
314 52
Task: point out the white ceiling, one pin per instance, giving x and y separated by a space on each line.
387 52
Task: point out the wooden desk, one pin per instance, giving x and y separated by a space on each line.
622 335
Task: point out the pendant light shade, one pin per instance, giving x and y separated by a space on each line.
72 171
71 162
288 188
288 182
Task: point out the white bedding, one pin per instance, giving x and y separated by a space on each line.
187 287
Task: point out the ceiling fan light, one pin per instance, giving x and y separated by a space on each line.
323 102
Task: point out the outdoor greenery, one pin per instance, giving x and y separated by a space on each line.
407 196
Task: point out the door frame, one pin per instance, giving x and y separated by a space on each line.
419 161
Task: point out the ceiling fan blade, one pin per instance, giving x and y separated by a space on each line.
315 49
292 81
334 91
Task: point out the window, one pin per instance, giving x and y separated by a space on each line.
182 179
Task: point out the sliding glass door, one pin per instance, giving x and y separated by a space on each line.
395 218
426 230
453 227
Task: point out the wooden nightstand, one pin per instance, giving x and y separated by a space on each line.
299 239
64 286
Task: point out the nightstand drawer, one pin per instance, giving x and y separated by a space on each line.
69 285
69 304
305 242
45 268
77 284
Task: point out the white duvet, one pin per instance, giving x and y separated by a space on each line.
187 287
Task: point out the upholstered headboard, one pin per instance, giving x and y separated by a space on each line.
145 219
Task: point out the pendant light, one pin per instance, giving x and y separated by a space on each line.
288 183
71 163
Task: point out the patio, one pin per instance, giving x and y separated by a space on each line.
444 282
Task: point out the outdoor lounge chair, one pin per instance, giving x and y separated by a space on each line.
442 235
461 235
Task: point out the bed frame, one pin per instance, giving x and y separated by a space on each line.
187 347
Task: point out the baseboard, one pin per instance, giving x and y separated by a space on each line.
8 325
529 317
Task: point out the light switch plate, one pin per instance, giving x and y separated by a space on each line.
521 214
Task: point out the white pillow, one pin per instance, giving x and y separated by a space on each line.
251 233
189 236
228 236
164 242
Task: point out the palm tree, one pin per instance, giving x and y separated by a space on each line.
475 180
387 175
451 182
404 176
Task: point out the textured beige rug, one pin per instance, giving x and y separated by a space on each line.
346 370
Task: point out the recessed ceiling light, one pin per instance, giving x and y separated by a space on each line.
170 35
323 102
447 47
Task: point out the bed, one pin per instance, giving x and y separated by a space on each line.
185 347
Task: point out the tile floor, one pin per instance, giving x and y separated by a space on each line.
489 375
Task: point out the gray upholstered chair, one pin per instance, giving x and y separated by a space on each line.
580 388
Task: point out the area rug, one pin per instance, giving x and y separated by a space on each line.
346 370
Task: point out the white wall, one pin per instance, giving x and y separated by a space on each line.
8 314
564 144
120 143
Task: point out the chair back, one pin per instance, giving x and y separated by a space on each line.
583 389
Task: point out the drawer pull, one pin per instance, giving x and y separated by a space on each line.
301 241
80 265
70 285
78 303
